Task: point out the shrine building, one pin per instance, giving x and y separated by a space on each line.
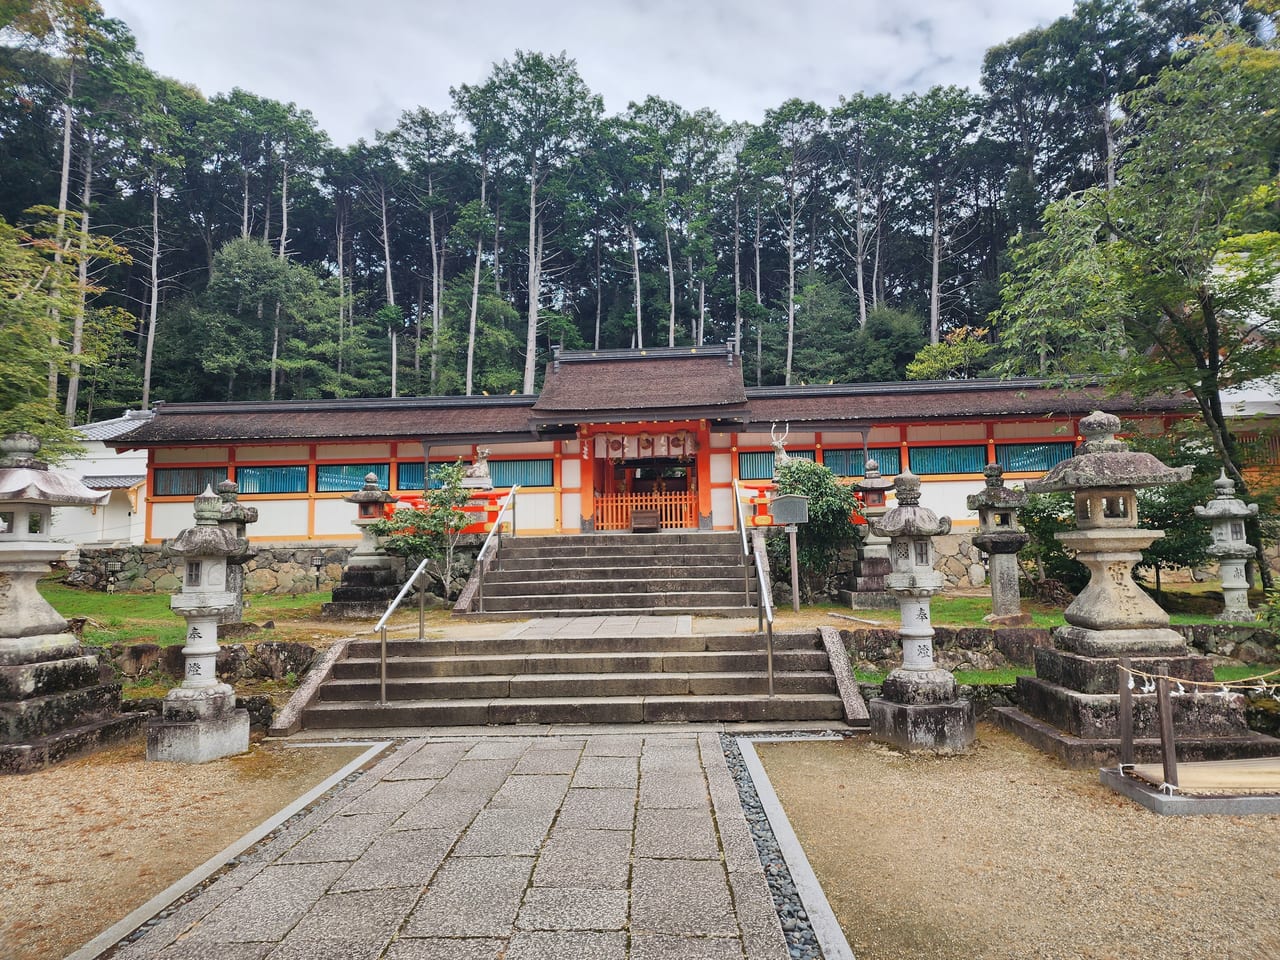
611 432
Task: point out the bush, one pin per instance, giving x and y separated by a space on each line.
818 542
431 534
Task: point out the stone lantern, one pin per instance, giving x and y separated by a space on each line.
918 708
1071 707
52 705
200 721
1000 536
1228 513
873 550
370 501
1112 616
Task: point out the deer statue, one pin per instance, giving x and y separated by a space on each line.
779 445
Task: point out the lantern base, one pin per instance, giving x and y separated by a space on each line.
198 741
941 728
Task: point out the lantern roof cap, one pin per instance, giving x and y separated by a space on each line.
24 479
1105 462
371 492
1226 505
908 518
995 493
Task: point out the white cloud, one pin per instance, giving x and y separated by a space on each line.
357 66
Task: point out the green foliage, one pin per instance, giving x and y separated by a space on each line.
961 354
1171 508
1043 558
829 529
431 534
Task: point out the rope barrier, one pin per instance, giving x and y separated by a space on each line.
1221 688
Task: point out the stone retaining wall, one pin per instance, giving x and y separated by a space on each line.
279 568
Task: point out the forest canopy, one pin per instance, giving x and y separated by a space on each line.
191 246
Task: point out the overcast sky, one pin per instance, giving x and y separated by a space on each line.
357 65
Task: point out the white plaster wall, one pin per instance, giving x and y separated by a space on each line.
947 497
271 454
334 517
192 455
571 512
353 451
535 511
570 472
171 517
722 508
721 468
282 518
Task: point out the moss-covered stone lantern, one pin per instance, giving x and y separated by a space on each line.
1227 514
918 708
200 721
371 501
52 703
1001 536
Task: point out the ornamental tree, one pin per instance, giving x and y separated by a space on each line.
830 527
432 533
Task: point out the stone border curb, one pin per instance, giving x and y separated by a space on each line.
123 927
855 708
825 926
1180 804
289 720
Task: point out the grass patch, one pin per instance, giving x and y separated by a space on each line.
1003 676
146 617
1245 670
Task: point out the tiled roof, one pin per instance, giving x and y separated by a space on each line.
941 400
626 384
110 429
117 482
410 418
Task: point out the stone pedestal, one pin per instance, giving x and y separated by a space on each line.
919 711
53 703
198 725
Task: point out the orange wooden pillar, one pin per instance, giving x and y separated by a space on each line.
587 484
703 465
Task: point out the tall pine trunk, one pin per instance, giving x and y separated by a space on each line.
284 209
737 270
64 191
635 285
535 285
154 309
77 330
475 295
935 244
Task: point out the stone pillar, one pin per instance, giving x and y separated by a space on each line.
1228 513
918 709
235 517
200 721
1001 537
52 705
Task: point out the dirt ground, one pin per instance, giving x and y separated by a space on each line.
1007 854
87 842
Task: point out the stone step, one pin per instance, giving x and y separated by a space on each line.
23 721
608 601
701 661
22 681
604 644
1096 716
598 568
518 550
559 586
691 538
553 685
653 709
41 752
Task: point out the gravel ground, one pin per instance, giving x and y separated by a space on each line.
1007 854
88 841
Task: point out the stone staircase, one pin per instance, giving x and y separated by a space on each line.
605 677
617 574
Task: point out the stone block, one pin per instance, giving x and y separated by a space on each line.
24 680
919 686
198 741
1096 716
943 728
24 720
1101 674
1126 642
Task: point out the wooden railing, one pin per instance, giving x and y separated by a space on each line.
677 510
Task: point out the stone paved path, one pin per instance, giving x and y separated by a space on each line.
581 847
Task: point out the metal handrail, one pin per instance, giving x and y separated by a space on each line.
381 625
764 600
764 607
483 558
